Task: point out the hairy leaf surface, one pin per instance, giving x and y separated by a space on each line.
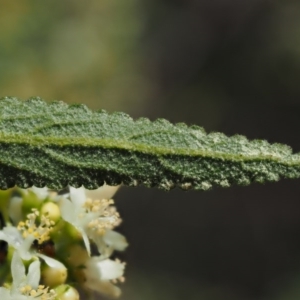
58 145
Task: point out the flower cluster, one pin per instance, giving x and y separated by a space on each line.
64 239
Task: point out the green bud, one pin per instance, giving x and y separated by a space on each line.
54 276
51 210
66 292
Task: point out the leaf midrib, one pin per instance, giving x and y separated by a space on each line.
40 141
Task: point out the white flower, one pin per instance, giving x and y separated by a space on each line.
94 219
96 273
21 238
101 274
15 239
25 287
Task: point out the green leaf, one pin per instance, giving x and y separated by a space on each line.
58 145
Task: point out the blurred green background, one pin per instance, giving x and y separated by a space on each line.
228 65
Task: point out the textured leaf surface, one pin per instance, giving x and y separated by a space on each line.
58 145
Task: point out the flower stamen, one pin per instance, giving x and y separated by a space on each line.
41 292
106 216
40 232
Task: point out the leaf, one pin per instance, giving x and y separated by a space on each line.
58 145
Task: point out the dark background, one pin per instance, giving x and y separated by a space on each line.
227 65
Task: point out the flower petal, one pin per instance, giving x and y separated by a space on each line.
68 211
98 273
24 249
18 297
51 262
115 240
15 209
77 196
4 237
103 287
86 241
42 193
17 270
11 235
34 274
4 294
110 269
103 269
104 192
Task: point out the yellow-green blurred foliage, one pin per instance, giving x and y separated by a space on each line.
76 51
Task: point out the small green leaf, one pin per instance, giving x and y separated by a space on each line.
58 145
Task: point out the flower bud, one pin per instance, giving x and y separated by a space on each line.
66 292
51 210
54 276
